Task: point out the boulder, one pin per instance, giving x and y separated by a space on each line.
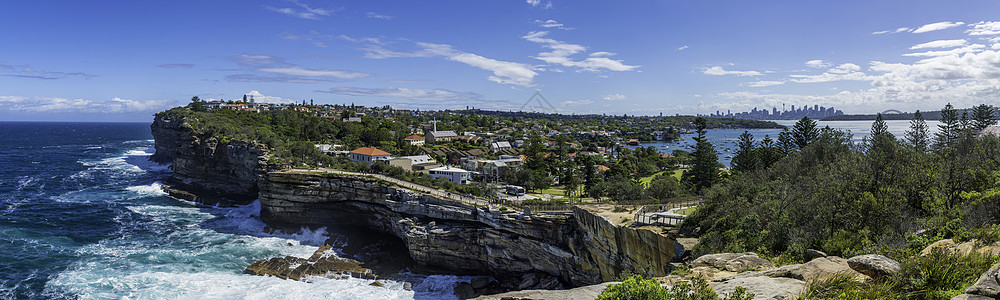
464 290
815 253
763 287
709 273
971 297
874 265
949 246
816 269
733 262
321 263
991 249
988 284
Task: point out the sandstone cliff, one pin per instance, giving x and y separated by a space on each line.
540 251
206 166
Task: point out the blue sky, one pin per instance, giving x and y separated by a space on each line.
125 60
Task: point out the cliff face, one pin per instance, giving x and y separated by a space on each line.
524 251
206 167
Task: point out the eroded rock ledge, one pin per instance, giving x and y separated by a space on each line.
540 251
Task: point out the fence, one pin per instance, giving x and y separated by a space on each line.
658 214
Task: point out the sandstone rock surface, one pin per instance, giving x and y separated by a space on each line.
322 263
733 262
763 287
580 293
874 265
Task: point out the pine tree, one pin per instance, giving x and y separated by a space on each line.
705 170
949 128
744 161
982 117
785 142
879 127
917 135
804 132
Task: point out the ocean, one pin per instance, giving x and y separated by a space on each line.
82 216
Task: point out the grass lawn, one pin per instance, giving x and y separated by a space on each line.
686 211
674 173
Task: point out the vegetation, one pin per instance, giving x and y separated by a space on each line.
833 195
939 275
635 287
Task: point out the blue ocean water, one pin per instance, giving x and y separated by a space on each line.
82 216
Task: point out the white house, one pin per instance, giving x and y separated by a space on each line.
368 155
455 175
497 146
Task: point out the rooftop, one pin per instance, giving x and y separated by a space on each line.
370 151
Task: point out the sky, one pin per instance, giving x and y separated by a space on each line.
125 60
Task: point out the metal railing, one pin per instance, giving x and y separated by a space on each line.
659 214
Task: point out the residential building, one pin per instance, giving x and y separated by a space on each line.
455 175
368 155
498 146
415 140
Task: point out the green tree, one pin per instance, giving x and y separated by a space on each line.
983 116
879 127
948 130
804 132
785 142
705 170
744 160
197 105
917 135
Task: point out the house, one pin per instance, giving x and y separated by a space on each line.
432 136
415 140
368 155
352 119
455 175
498 146
410 163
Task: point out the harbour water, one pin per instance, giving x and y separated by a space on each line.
725 140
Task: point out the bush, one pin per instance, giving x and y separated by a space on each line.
636 287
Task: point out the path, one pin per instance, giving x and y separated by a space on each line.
442 194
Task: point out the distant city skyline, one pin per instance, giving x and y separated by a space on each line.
124 61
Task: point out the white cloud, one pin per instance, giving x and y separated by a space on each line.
299 71
537 3
613 97
551 24
576 102
561 52
845 68
719 71
966 49
375 15
681 48
303 11
432 95
764 83
941 44
65 105
985 28
897 30
504 72
817 63
261 98
602 53
937 26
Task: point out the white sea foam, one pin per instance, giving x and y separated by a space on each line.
153 189
185 260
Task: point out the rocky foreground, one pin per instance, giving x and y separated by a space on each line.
761 277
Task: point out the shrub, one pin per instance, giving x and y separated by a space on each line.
636 287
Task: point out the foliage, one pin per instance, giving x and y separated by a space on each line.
705 171
836 196
917 135
638 288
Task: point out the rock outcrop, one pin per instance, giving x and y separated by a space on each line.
540 251
874 265
322 263
208 166
987 287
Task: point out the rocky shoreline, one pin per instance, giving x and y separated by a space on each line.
522 250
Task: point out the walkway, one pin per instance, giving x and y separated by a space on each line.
439 193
